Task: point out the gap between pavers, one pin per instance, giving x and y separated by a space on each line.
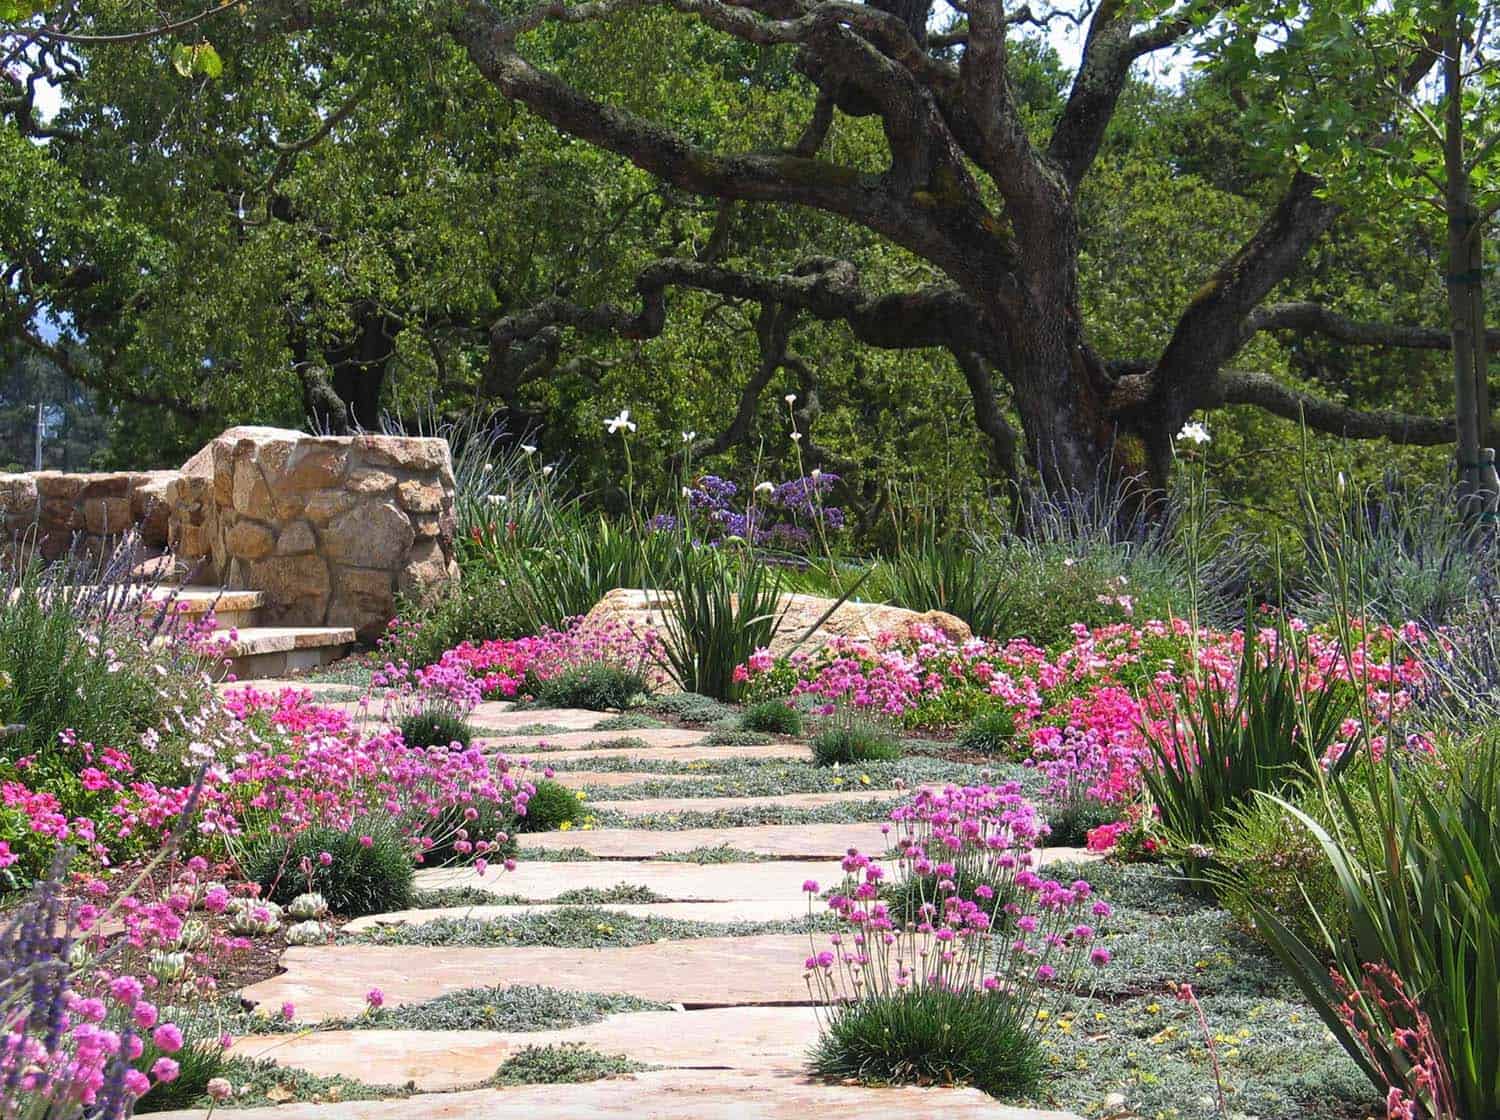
577 779
664 1095
596 740
782 841
779 880
328 981
734 910
747 1038
651 806
703 752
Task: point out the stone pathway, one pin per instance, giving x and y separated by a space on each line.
666 1095
735 1044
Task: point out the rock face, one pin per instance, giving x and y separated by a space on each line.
642 610
332 528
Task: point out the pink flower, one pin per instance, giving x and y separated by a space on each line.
288 1011
167 1038
164 1069
375 998
810 886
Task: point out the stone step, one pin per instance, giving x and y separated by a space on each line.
743 910
258 652
232 609
779 880
779 841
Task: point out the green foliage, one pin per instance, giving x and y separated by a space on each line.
724 606
568 1063
775 717
991 732
948 574
199 1061
436 727
359 878
490 818
1264 733
1425 907
553 805
597 686
931 1037
693 707
481 607
1071 821
853 738
564 577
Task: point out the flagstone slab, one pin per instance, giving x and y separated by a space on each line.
664 1095
654 806
596 740
735 910
785 841
502 717
779 880
753 1038
703 752
326 981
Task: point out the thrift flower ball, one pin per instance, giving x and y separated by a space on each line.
219 1089
167 1038
375 998
164 1069
136 1083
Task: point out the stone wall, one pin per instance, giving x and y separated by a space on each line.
55 513
331 528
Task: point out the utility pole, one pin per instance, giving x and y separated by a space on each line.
39 433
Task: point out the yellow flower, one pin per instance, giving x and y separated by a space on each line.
864 779
566 826
1152 1008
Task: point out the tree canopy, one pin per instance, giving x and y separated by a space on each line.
965 259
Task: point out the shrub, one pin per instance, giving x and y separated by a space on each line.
436 727
854 739
356 877
552 805
991 732
199 1061
1263 733
1072 821
568 1063
774 717
482 607
931 1036
597 686
1270 860
951 575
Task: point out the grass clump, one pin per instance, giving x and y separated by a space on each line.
854 740
990 732
931 1037
357 878
570 1063
773 717
550 807
596 686
436 727
693 707
628 721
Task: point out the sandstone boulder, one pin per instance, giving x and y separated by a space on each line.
642 610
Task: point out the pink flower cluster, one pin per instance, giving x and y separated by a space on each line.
980 917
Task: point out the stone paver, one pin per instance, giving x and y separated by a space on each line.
785 841
595 740
792 752
779 880
325 981
501 717
664 1095
754 1038
735 910
651 806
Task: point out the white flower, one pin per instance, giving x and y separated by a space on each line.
1194 432
528 449
796 437
687 492
546 470
790 398
621 421
816 474
688 437
764 488
488 467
